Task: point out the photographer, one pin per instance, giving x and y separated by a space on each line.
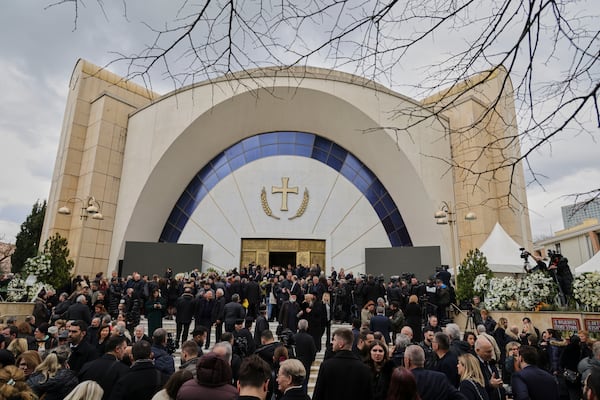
559 266
540 264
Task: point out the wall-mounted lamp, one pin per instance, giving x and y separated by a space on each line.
90 206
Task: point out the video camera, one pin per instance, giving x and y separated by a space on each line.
524 253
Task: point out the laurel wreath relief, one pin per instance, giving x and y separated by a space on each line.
267 209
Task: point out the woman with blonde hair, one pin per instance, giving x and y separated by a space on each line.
13 386
28 362
472 384
412 318
52 377
18 346
86 390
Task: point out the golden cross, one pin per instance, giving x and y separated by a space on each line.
284 190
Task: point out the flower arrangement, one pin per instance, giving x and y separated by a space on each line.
586 290
526 293
40 266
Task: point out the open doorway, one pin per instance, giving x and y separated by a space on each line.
282 258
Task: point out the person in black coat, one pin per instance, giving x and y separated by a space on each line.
218 313
431 385
252 292
185 312
232 312
306 350
381 323
343 376
261 324
313 311
81 351
80 310
493 382
532 382
203 312
413 318
143 380
108 369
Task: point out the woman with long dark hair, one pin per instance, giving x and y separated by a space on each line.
403 385
381 368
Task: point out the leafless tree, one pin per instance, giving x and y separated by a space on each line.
377 39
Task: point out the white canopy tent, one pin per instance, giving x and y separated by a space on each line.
502 252
591 265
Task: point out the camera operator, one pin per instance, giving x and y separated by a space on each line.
559 266
540 264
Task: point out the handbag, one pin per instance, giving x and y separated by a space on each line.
570 375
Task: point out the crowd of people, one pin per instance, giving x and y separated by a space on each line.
88 343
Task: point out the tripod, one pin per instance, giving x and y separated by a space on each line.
470 325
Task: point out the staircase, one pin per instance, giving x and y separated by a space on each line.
171 327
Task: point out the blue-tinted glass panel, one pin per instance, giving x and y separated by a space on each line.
380 210
237 162
395 239
211 181
181 223
319 155
268 138
389 203
305 139
371 195
204 172
338 152
287 149
360 183
287 137
396 218
303 151
404 237
251 143
223 171
367 175
252 155
322 143
348 172
194 186
219 161
234 150
334 163
388 225
269 150
352 162
378 189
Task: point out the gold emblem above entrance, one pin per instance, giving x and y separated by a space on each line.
284 190
283 251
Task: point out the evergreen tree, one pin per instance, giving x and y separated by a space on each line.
56 247
475 263
28 239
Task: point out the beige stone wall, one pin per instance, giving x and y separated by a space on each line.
89 162
484 138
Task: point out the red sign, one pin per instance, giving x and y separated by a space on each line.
592 325
570 325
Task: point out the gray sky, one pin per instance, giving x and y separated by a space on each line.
40 48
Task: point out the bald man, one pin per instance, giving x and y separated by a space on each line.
493 383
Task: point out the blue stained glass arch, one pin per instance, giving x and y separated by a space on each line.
288 144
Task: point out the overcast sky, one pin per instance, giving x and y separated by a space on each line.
40 48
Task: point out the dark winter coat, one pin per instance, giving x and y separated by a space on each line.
185 308
55 388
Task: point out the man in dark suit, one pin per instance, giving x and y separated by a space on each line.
108 369
185 312
289 380
80 310
306 350
493 383
143 380
445 361
381 323
532 382
431 385
343 376
81 350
